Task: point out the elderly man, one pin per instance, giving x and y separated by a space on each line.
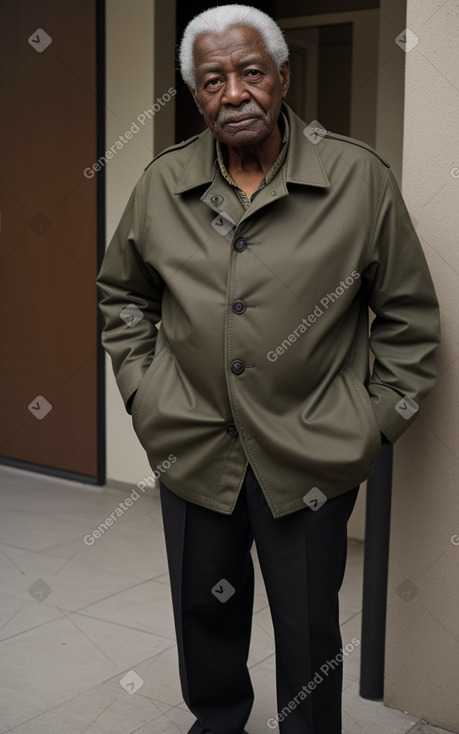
260 246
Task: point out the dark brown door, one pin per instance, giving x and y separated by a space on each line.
49 353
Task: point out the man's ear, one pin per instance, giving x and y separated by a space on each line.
194 95
285 74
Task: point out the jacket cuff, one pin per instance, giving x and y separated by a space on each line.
394 415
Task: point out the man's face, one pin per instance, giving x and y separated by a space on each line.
238 86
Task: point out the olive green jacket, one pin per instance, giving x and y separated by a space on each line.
262 354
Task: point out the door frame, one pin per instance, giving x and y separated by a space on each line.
365 44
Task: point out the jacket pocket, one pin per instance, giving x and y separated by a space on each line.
364 405
158 359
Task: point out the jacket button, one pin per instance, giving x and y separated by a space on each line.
237 367
231 430
239 307
216 199
240 245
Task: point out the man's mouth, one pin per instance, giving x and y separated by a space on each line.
240 121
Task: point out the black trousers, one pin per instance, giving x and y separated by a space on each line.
302 558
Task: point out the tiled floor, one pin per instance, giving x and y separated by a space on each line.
86 634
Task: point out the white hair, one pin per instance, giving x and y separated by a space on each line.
218 20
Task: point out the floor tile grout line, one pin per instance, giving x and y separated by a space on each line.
105 682
254 665
60 615
113 595
126 626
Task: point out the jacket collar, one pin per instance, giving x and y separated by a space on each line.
302 165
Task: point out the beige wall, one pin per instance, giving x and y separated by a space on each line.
138 33
129 65
389 86
422 666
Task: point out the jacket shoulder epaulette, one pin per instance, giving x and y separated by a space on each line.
358 143
177 146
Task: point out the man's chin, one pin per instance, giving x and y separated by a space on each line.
241 137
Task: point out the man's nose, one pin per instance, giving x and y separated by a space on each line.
235 91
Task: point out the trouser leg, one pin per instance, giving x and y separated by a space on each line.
302 557
211 574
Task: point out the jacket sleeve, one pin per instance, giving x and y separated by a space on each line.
131 300
406 328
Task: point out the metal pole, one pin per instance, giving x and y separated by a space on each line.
376 562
